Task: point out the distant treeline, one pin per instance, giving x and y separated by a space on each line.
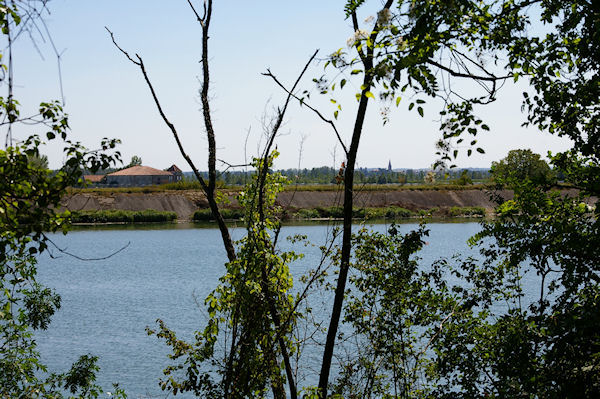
328 175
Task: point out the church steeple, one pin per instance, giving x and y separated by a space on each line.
390 166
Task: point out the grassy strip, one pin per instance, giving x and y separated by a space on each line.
179 186
388 187
336 212
119 216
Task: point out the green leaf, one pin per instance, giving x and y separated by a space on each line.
411 106
480 150
343 83
398 100
368 94
420 110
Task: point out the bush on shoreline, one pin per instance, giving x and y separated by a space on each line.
205 215
457 211
121 216
335 212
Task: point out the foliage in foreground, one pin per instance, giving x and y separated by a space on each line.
518 320
30 197
29 204
252 310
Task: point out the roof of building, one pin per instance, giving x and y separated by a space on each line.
141 171
173 168
93 178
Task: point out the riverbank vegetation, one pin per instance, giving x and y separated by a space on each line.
122 216
336 212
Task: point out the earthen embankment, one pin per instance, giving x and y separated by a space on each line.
186 202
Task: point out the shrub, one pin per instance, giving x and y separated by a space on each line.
428 212
330 212
390 212
466 211
205 215
307 214
121 216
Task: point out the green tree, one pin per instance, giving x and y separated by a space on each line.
30 196
543 345
39 161
135 161
464 178
403 51
520 166
253 306
495 341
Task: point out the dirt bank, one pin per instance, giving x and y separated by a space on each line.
184 203
409 199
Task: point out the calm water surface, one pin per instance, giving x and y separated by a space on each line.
163 273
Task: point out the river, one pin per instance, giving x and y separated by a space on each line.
163 272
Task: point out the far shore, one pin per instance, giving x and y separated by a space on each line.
392 203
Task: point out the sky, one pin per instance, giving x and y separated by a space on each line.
105 95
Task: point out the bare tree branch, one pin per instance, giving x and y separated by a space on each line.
458 74
263 172
64 251
209 188
340 290
302 102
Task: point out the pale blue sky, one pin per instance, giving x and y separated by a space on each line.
106 95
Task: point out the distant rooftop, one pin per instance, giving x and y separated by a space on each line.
174 169
141 171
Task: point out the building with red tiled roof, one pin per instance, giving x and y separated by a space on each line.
173 168
140 176
176 171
